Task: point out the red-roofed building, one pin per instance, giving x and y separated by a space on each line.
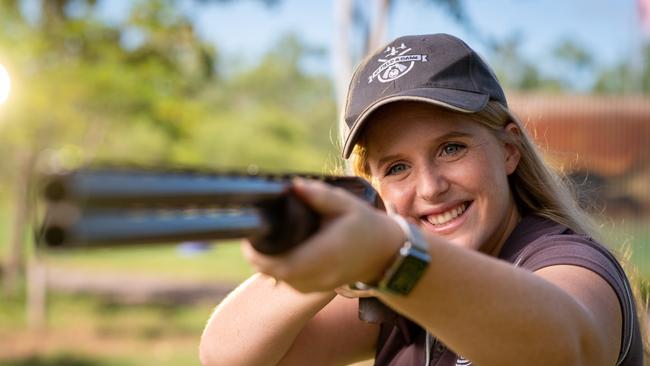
601 142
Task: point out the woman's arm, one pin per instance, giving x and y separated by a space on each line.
264 323
483 308
495 314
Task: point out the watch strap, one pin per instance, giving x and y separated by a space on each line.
412 258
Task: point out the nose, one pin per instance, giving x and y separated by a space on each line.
431 184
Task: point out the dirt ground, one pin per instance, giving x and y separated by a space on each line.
26 343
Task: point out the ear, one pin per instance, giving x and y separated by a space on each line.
511 147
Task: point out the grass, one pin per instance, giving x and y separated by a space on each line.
630 239
220 262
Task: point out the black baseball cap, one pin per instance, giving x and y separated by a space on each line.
436 68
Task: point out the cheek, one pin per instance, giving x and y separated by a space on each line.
399 195
486 182
484 173
471 174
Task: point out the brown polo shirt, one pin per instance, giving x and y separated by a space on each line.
534 244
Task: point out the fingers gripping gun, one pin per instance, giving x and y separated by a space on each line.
93 207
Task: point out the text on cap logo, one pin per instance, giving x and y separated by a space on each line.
397 62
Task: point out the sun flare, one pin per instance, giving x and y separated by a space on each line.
5 84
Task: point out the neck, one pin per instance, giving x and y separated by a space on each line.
511 220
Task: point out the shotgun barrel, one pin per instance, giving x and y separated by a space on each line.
114 206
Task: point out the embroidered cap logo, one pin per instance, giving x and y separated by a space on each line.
396 64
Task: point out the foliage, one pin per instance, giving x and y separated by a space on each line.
150 92
281 114
516 72
627 77
574 69
146 91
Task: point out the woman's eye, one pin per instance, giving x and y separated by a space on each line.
451 149
396 169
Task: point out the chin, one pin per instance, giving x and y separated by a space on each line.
459 239
465 241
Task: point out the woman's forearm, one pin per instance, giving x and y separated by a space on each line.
257 323
493 313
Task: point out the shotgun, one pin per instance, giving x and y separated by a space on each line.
114 206
108 206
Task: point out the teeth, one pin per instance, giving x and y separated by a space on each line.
445 217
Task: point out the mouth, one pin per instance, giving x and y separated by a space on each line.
444 219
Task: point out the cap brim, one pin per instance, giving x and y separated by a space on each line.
457 100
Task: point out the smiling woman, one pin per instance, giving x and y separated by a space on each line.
5 84
483 258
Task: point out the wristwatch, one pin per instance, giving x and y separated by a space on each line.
409 265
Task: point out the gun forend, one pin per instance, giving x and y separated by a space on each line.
98 207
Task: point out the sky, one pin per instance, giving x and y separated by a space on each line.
246 29
608 28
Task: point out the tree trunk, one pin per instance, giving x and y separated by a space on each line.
377 35
15 260
36 293
342 55
342 61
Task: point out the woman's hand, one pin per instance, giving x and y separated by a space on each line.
355 242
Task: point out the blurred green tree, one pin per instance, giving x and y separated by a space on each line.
630 76
574 69
76 83
515 71
147 91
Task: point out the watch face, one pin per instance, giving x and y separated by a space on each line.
408 273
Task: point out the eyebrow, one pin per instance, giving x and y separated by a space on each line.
446 136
